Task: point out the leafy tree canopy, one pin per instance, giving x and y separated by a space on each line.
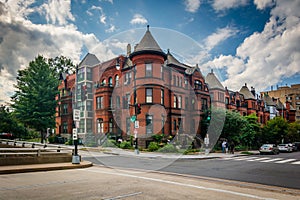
34 100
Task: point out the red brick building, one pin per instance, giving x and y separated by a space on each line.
172 96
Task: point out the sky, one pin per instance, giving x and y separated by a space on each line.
243 41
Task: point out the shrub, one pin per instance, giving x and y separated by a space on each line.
153 146
168 148
110 143
125 145
51 139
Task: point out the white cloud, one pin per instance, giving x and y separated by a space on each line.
262 4
220 5
219 36
138 19
21 41
103 19
58 11
192 5
111 29
266 57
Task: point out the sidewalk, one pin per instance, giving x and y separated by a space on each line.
12 169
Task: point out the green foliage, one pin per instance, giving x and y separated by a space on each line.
37 85
293 132
275 130
69 142
110 143
51 139
153 146
157 137
9 124
125 145
168 148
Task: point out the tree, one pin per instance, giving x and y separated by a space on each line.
275 130
293 132
34 101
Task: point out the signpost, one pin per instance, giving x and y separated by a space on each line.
76 118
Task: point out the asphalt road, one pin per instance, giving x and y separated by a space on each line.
252 169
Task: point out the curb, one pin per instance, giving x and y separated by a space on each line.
13 169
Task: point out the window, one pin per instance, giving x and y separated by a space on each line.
149 124
163 120
186 83
118 103
116 80
89 106
226 100
148 69
186 103
65 108
149 95
128 125
174 80
110 82
180 82
175 101
204 104
162 94
221 96
103 83
174 125
100 125
110 124
127 78
162 72
179 102
99 101
110 102
65 127
198 84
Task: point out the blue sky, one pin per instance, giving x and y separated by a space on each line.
244 41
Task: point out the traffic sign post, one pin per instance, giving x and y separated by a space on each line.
76 118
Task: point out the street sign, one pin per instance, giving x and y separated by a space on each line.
76 115
136 124
74 133
133 118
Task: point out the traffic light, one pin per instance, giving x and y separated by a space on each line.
138 109
208 116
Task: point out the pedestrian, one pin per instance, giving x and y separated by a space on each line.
232 147
226 147
223 146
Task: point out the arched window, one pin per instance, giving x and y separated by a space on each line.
117 80
110 82
103 82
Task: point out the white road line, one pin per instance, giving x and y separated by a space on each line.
246 158
180 184
285 161
271 160
259 159
296 163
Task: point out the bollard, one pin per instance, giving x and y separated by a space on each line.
45 146
23 144
33 145
58 149
15 143
39 152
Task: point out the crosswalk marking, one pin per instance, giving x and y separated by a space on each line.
246 158
264 160
285 161
272 160
296 163
259 159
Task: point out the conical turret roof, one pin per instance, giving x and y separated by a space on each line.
246 92
213 82
148 45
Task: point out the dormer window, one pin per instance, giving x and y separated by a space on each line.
198 84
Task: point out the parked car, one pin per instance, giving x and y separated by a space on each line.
268 148
297 144
294 147
285 148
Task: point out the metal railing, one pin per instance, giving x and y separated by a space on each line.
31 148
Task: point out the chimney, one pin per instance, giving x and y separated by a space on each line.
253 91
128 49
